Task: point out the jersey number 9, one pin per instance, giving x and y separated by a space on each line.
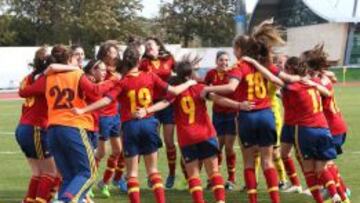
188 107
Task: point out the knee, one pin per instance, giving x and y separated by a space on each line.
267 163
116 153
229 150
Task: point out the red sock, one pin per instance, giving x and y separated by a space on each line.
272 181
183 169
313 186
231 162
217 183
196 190
110 169
120 168
55 187
336 174
133 190
171 158
220 158
44 188
157 187
250 182
291 171
328 181
32 189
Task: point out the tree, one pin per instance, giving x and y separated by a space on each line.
209 20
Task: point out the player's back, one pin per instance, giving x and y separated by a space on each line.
303 106
62 94
192 120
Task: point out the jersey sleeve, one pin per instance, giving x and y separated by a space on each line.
235 73
93 90
114 92
208 77
198 89
274 70
37 88
159 83
143 65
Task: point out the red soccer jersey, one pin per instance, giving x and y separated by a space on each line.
253 85
34 108
215 77
302 106
193 124
162 67
332 112
134 92
113 108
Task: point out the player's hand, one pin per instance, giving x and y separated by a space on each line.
248 59
203 93
77 111
246 106
191 82
308 82
140 113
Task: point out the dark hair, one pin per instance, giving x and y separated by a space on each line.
89 66
259 43
163 52
130 60
184 68
40 61
75 46
294 64
220 53
316 58
60 54
104 49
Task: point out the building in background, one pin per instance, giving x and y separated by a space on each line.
309 22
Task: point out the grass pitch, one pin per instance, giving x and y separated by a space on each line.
14 172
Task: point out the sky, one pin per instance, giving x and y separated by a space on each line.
151 7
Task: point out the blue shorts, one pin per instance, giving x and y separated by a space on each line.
257 128
166 116
224 123
314 143
339 141
141 137
33 141
93 138
288 134
74 157
109 126
200 150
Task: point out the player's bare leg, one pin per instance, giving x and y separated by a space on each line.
151 165
168 132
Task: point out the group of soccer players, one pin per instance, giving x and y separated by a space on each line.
71 111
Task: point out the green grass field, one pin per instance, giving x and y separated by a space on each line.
14 172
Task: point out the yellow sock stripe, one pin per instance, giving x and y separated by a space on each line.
110 169
40 200
215 174
37 140
293 175
297 145
157 185
196 188
90 153
252 191
315 187
216 187
329 183
133 189
273 189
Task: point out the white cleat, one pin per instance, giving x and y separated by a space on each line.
336 199
307 192
294 189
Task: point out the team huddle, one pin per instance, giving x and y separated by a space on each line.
71 112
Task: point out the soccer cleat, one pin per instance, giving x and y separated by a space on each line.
336 199
307 192
243 188
104 189
293 189
170 180
149 183
122 185
284 185
348 192
229 186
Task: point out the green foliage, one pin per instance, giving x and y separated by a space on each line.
211 21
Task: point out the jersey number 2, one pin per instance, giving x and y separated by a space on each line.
188 107
63 97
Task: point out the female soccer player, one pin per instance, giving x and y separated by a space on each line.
136 90
31 135
110 125
160 61
223 118
79 54
69 135
317 63
196 134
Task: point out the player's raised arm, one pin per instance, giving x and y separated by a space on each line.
224 89
176 90
269 75
58 68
